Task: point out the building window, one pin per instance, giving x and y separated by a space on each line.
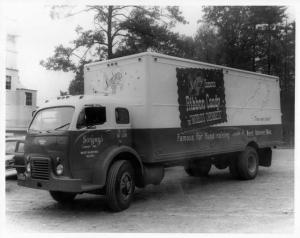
8 82
28 99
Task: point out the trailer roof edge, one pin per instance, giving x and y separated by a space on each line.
179 59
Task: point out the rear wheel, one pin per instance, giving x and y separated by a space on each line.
245 165
198 168
248 163
120 185
62 197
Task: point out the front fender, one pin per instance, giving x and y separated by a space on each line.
106 159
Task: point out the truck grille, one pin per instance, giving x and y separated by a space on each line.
40 168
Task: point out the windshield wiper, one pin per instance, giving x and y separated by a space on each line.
61 126
58 127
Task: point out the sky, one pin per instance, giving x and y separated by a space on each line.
38 34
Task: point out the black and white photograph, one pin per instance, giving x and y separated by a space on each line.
145 117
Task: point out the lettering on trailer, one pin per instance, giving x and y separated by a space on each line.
223 134
201 97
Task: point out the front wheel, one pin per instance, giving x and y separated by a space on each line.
120 185
62 197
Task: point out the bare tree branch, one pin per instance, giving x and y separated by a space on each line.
84 55
115 43
74 54
124 35
120 14
101 27
121 7
118 34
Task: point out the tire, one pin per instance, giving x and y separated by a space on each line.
247 163
62 197
120 185
198 168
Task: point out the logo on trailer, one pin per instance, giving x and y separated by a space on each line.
201 97
113 82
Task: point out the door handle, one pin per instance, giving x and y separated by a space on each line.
108 131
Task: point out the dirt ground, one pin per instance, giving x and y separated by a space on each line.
180 203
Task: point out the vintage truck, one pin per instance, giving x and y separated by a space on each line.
142 113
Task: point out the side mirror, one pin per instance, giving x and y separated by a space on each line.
32 114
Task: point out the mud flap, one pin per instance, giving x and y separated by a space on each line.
265 157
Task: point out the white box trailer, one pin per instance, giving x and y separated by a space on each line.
174 120
143 113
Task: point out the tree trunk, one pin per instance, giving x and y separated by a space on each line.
254 49
269 49
109 33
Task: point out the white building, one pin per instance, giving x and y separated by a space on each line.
20 102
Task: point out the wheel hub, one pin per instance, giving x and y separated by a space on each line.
251 164
126 185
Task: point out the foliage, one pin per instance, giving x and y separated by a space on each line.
76 86
111 33
111 26
248 35
207 44
257 38
147 34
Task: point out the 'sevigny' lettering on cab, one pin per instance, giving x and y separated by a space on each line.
144 112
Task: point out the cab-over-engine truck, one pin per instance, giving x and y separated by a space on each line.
142 113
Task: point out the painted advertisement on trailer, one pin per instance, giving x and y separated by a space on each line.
204 121
201 97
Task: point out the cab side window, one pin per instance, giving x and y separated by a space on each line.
122 115
91 116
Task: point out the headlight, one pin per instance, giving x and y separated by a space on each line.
59 169
28 167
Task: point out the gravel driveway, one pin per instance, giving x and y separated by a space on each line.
181 203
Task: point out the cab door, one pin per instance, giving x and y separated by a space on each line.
95 132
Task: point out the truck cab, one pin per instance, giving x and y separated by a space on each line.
72 141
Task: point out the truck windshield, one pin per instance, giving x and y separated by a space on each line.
51 119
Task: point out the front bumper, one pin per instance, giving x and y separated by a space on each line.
64 184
